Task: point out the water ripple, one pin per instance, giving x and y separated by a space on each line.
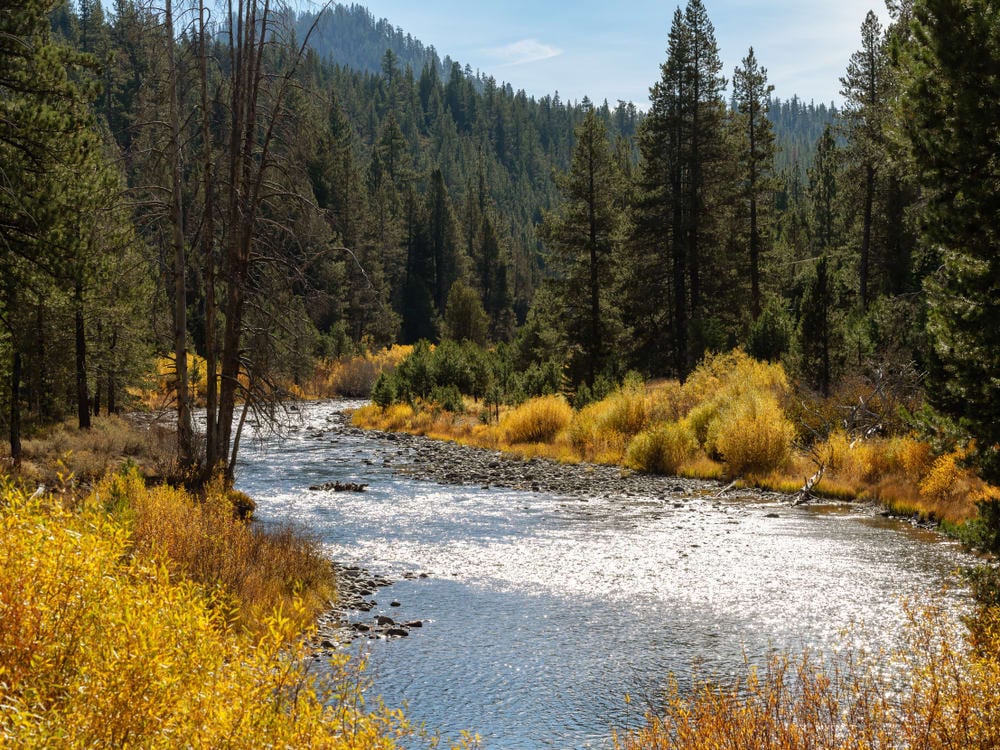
544 611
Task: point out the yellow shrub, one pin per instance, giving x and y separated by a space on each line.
397 417
945 476
101 648
584 427
731 375
664 401
663 449
945 698
253 571
700 419
914 456
624 412
752 435
536 421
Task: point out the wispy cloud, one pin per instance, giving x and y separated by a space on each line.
522 52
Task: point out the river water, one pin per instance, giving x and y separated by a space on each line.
541 613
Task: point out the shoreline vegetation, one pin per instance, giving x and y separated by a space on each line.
742 420
118 587
734 419
136 612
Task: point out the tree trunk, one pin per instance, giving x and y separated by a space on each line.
15 409
110 375
82 397
866 239
112 406
212 456
185 428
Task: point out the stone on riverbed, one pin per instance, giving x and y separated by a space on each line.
339 487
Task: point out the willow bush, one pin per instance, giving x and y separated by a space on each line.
100 647
537 420
936 693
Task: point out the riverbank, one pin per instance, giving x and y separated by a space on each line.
530 590
110 634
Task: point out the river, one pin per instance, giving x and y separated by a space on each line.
541 612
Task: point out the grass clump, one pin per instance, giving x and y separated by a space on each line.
944 697
62 451
538 420
103 647
253 572
663 449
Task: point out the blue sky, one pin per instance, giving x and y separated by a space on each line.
613 50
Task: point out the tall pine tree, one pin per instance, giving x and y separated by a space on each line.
950 117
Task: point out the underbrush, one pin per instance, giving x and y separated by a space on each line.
354 375
935 693
251 572
102 645
734 418
61 451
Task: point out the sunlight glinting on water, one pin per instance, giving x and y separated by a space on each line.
564 605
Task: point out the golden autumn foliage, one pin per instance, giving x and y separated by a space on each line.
104 646
934 694
733 418
354 376
537 420
663 449
252 572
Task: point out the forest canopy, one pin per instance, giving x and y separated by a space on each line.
267 190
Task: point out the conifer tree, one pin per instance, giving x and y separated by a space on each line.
950 118
751 94
865 113
685 159
581 236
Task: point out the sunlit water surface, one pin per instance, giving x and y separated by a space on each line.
542 612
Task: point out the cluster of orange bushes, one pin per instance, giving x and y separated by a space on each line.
733 417
935 694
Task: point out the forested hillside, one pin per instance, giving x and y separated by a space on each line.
265 205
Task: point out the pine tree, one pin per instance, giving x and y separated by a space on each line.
950 117
680 216
865 92
751 94
581 236
823 189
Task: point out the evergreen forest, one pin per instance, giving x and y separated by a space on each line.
281 188
212 211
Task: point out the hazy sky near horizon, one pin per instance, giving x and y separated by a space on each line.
613 50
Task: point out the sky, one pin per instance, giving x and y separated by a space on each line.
613 51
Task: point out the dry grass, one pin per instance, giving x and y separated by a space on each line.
944 697
252 572
103 648
62 451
